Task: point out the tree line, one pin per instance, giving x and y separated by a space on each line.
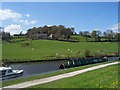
97 35
62 32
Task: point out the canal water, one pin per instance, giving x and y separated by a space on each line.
36 68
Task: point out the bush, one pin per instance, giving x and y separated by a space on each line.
25 44
78 53
87 53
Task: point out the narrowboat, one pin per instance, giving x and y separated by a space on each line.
74 62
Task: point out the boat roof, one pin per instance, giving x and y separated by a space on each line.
4 68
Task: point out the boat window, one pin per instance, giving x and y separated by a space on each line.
2 72
95 60
9 71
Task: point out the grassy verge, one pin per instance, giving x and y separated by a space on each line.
102 78
20 80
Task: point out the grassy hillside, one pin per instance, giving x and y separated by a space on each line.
82 38
48 49
101 78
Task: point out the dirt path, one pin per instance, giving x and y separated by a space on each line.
53 78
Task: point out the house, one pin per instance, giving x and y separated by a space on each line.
51 36
41 36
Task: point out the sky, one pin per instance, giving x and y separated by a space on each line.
83 16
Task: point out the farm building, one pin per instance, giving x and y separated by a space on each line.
40 36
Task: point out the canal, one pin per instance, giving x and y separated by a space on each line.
38 67
35 68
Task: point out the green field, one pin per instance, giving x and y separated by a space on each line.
82 38
49 49
102 78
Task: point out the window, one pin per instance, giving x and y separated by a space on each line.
95 60
2 72
9 71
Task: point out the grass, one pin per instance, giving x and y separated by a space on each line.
49 49
82 38
102 78
23 79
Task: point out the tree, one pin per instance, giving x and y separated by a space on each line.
72 30
110 35
99 33
105 35
117 37
87 53
86 33
81 33
94 35
5 36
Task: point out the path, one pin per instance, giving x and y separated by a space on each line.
57 77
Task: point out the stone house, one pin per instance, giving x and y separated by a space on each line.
40 36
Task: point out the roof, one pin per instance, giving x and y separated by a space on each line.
4 68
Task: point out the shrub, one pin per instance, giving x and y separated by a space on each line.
78 53
25 44
87 53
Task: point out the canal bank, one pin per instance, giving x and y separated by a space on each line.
53 73
6 61
57 77
37 68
